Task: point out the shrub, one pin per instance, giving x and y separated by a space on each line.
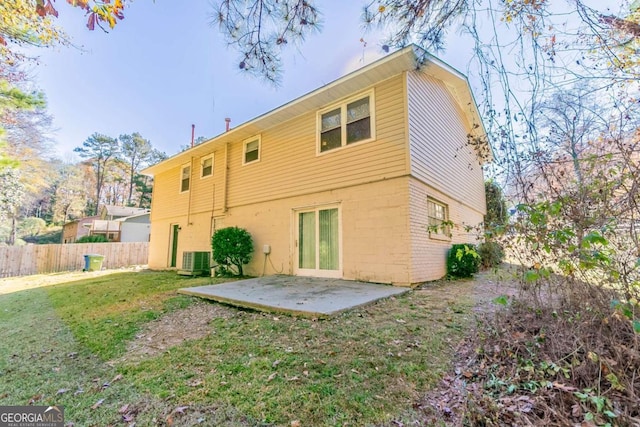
96 238
232 246
462 260
491 254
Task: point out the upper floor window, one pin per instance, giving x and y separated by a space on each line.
206 166
344 124
185 178
251 150
438 218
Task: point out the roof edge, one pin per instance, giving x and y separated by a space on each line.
420 58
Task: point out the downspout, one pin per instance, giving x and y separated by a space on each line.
226 178
213 207
227 122
190 191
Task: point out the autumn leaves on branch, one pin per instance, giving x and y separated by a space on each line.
99 11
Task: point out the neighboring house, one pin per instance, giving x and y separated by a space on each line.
73 230
135 228
110 212
341 182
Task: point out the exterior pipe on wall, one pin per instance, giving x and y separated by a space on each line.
190 191
225 178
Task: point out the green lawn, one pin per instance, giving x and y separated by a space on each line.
364 367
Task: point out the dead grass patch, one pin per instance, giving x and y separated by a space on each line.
172 330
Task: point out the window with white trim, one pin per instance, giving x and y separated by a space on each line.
206 166
251 150
347 123
438 213
185 178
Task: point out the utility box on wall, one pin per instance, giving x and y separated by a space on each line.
195 264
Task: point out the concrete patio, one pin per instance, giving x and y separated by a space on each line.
302 296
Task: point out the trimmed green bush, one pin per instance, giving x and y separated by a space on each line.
491 254
232 246
96 238
462 261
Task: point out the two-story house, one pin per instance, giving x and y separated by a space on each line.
341 182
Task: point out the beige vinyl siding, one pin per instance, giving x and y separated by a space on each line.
440 155
428 254
168 202
206 189
289 164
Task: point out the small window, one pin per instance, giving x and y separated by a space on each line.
185 179
346 124
358 121
438 218
206 166
251 150
331 133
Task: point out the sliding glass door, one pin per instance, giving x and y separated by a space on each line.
318 242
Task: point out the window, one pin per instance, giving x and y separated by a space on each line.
346 124
206 166
251 152
438 218
185 178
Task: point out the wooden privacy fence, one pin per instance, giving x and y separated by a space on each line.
36 259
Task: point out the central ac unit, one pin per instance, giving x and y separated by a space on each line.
195 264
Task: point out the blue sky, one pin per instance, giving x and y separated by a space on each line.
164 67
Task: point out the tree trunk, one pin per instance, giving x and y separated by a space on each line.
131 173
99 179
14 230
